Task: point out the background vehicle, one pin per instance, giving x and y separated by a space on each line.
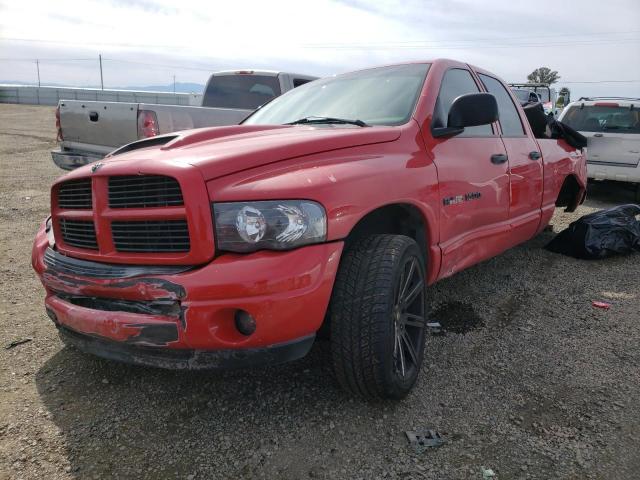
87 131
612 127
526 96
329 209
546 94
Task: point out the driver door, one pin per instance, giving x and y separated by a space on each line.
473 177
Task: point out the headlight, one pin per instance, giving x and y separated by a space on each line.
272 225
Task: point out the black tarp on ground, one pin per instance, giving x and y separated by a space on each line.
600 234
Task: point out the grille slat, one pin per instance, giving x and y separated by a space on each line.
151 236
135 191
79 233
75 194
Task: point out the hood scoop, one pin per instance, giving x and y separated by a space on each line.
147 142
192 137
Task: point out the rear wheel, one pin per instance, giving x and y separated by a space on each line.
377 317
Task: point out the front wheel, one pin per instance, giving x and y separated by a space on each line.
377 316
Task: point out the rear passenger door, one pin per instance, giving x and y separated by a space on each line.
525 161
473 183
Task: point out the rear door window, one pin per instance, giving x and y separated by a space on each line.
300 81
509 118
603 118
456 82
246 92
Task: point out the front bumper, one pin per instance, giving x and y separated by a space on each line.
142 310
611 171
183 359
68 160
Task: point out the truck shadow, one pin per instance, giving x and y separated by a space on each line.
603 194
117 420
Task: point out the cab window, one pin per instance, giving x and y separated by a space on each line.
456 82
509 118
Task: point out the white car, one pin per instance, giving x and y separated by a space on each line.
612 128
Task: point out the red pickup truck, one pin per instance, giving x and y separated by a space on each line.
329 210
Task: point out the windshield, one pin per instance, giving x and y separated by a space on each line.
379 96
246 92
601 118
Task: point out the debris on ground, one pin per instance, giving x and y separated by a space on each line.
421 440
600 234
487 473
599 304
434 327
15 343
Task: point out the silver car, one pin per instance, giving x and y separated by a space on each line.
612 128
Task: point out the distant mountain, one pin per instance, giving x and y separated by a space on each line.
181 87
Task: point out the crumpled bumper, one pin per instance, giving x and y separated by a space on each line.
185 319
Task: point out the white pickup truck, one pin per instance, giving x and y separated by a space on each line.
87 131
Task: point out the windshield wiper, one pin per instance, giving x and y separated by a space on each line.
328 120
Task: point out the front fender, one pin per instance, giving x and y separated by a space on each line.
349 183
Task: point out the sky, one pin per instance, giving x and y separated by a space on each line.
593 44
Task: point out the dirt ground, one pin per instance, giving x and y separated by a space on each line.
531 381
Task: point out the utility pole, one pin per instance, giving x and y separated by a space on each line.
174 84
38 69
101 81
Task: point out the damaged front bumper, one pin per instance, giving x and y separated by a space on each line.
184 317
187 359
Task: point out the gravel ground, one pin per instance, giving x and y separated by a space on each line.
538 384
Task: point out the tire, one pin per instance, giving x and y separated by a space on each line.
377 341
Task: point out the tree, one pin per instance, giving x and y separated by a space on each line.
543 75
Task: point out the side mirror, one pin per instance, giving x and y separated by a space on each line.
469 110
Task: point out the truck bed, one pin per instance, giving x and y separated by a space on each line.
91 130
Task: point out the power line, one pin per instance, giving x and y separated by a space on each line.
471 46
53 60
211 69
430 44
602 81
470 40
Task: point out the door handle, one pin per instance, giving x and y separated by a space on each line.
93 116
598 135
498 158
534 155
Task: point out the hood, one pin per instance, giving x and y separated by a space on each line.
221 151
